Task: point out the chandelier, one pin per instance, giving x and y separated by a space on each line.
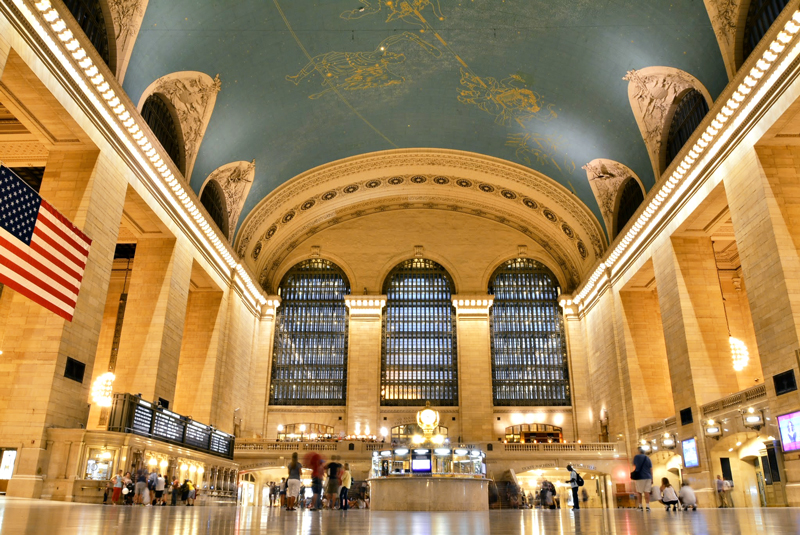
739 354
102 393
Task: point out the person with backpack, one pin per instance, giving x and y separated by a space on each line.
575 481
642 477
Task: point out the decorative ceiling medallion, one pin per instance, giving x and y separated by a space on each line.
550 216
441 180
257 251
288 217
510 195
464 183
328 196
308 204
270 232
373 184
352 188
568 231
394 181
486 188
582 250
418 179
530 203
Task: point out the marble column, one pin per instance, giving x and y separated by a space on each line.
261 367
364 361
475 394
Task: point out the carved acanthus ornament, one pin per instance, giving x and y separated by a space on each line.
724 15
193 94
652 92
606 178
235 179
127 16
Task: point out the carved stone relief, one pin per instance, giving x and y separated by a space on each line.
652 93
235 179
193 94
330 178
606 177
724 15
126 15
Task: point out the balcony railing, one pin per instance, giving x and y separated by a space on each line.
744 397
132 414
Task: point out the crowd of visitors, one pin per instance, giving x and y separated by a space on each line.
646 492
148 489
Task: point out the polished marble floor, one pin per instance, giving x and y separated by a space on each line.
33 517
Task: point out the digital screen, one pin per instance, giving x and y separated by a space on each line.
420 465
690 458
789 424
7 464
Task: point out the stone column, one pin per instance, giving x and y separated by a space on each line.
150 343
261 369
765 209
696 338
197 368
35 395
475 394
364 361
583 418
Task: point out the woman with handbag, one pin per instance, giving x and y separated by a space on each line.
642 477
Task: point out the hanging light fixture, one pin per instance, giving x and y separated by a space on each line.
102 390
739 353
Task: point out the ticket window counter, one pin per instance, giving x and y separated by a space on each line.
99 464
8 460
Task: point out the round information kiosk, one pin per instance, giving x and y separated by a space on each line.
428 475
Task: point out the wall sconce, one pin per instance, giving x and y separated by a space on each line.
712 429
753 419
644 446
668 441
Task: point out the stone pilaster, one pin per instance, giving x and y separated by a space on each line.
584 422
35 395
150 343
364 361
475 397
762 193
261 367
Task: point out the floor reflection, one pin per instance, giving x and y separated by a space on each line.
33 517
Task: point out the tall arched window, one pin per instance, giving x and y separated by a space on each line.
309 359
213 199
89 15
630 198
157 113
760 16
418 360
529 350
691 109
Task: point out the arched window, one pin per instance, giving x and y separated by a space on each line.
691 109
213 199
157 113
630 198
760 16
404 433
309 362
529 350
89 15
418 358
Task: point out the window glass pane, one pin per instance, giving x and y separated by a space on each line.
309 365
418 361
529 351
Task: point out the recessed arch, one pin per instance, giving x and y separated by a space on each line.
300 256
419 350
94 18
397 260
213 200
629 197
687 112
755 19
162 118
498 262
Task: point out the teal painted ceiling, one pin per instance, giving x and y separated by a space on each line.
537 82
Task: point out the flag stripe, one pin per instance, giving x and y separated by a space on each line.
57 262
40 232
47 217
43 224
67 225
45 270
42 282
19 284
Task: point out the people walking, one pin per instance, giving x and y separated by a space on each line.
116 493
642 477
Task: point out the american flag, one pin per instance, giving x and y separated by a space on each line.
42 254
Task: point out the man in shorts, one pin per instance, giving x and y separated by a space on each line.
160 484
141 486
643 468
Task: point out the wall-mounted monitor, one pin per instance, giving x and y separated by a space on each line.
421 465
789 425
690 457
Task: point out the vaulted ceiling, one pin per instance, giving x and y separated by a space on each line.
536 82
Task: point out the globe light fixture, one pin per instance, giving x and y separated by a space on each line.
102 390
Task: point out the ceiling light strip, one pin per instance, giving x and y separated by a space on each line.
708 146
135 139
